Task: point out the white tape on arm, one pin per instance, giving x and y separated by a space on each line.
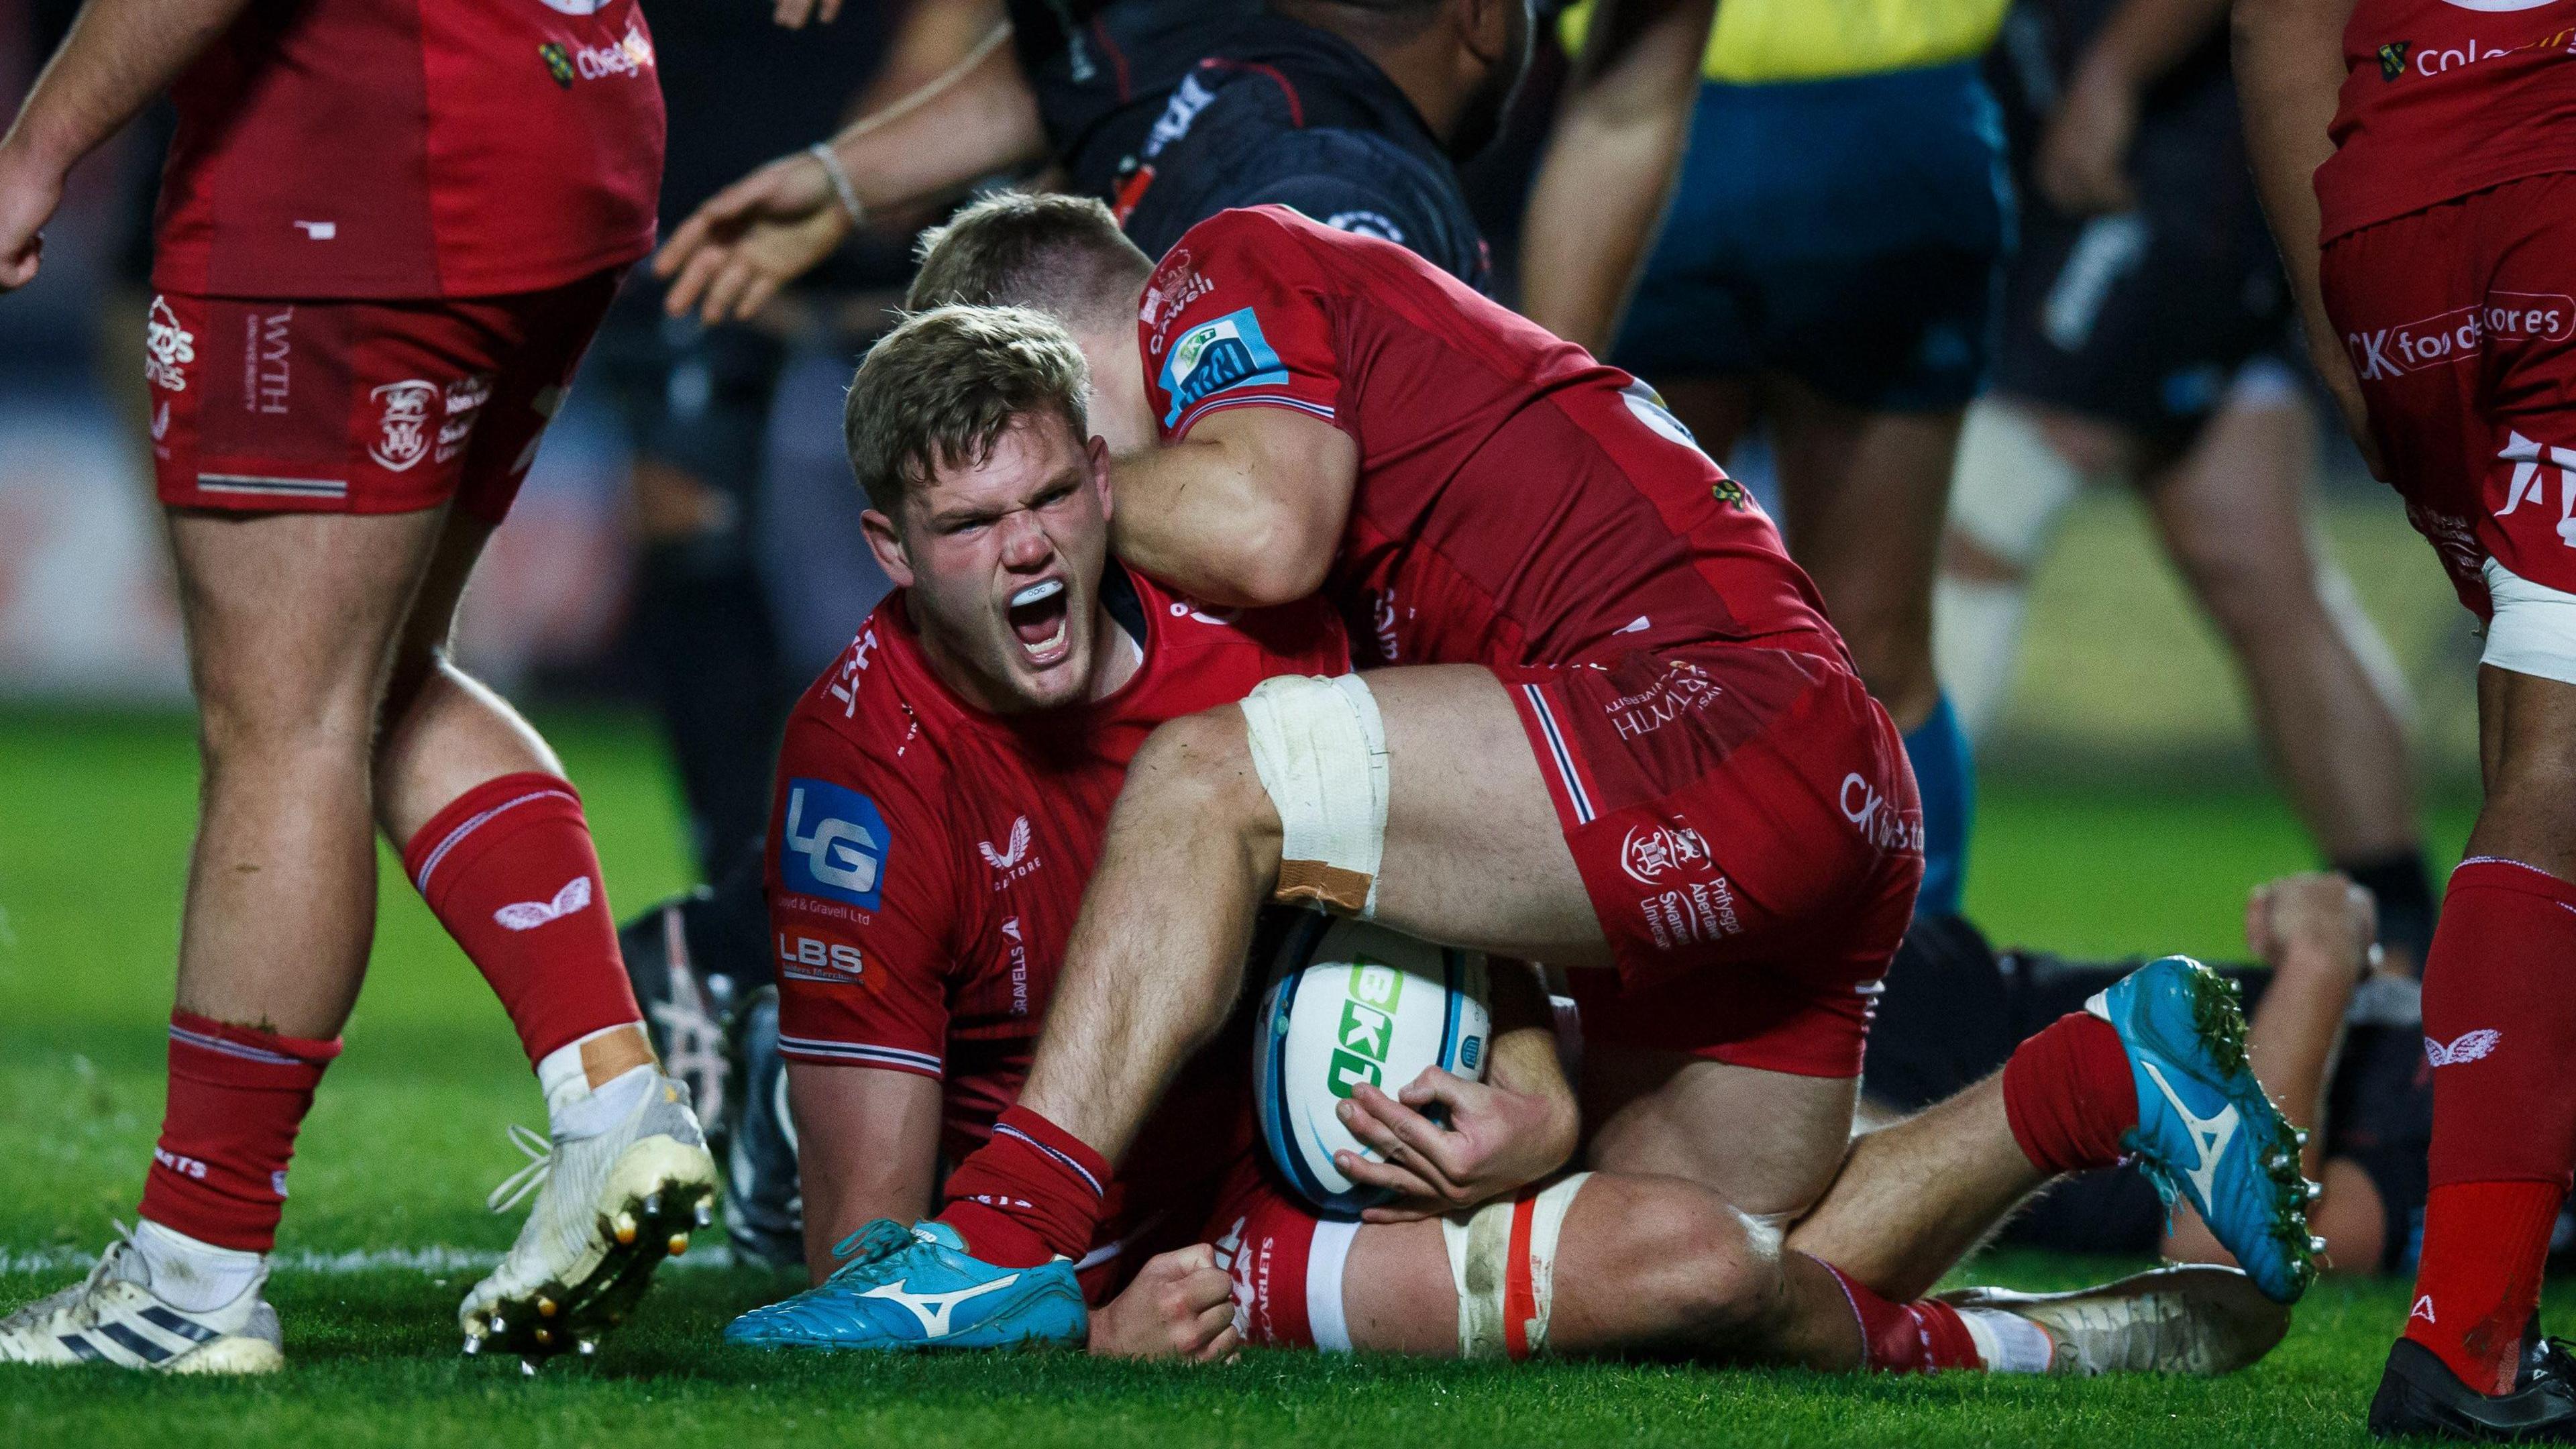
1320 750
1486 1272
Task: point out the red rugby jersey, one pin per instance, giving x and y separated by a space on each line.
1517 502
926 862
389 149
2444 97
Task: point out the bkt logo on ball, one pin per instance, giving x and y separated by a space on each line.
1368 1027
834 844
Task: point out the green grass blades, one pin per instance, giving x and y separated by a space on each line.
406 1136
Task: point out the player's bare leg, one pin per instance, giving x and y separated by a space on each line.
1473 855
2092 1089
2235 519
628 1174
1646 1266
292 621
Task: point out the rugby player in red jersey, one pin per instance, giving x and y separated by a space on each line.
387 230
940 805
1617 736
2418 160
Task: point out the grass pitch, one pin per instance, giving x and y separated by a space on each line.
407 1135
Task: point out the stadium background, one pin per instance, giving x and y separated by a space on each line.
2123 809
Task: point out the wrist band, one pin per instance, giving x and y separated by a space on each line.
841 187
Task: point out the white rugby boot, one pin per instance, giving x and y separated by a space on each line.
113 1316
2196 1319
615 1196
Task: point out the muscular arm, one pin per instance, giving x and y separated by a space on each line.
2289 65
2083 157
976 118
867 1147
1601 189
118 56
1247 511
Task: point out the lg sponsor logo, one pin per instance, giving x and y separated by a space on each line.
1880 823
2461 333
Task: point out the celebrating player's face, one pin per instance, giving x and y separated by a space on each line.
1004 561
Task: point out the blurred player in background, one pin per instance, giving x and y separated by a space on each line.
1827 267
386 234
2417 159
2141 321
1348 110
998 700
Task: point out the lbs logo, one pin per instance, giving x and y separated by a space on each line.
1216 357
1367 1028
834 844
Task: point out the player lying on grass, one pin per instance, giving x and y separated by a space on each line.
2335 1036
940 805
1619 737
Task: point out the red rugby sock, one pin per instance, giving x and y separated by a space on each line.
2069 1095
509 870
2499 1030
1031 1193
237 1096
1925 1336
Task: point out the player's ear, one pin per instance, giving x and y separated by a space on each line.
1096 452
887 544
1483 27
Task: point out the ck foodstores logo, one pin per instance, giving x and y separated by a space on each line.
833 844
2460 333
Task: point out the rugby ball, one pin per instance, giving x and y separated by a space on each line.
1350 1002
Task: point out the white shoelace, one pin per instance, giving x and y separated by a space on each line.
520 1185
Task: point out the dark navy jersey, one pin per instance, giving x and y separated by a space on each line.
1174 110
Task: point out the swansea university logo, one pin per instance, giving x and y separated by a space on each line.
834 844
1216 357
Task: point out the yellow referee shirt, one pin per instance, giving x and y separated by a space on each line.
1795 40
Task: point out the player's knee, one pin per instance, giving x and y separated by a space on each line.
260 714
1198 769
2244 584
1693 1262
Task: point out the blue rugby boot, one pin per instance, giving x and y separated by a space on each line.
908 1288
2206 1131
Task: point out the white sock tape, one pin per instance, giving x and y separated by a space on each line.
1320 750
1489 1276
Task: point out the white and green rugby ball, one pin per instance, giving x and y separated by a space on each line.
1350 1002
